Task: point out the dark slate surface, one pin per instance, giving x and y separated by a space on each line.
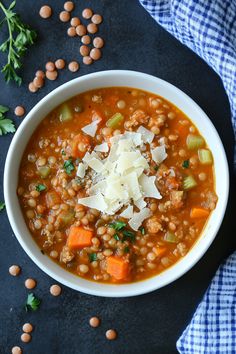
149 323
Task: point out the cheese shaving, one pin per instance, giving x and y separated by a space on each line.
159 154
102 147
81 170
91 128
138 218
147 135
128 212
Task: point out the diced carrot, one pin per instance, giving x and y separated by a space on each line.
117 267
159 251
52 198
79 237
196 213
80 138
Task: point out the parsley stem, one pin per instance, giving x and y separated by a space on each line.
10 33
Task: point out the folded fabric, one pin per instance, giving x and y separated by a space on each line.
208 27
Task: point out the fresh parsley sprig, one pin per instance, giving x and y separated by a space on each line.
32 303
20 37
6 125
2 206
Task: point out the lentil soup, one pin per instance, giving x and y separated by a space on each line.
116 185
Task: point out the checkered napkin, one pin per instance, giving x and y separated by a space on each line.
208 27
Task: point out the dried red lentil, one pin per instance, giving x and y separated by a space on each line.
71 32
73 66
87 14
51 75
30 283
84 50
97 19
55 290
94 322
98 42
111 334
19 111
69 6
64 16
16 350
50 66
81 30
87 60
92 28
25 337
60 64
75 21
32 87
45 11
86 39
14 270
27 328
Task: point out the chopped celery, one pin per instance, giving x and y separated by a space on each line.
65 217
44 171
189 183
205 156
115 120
170 237
194 141
65 113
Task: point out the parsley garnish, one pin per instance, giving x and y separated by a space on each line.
117 225
68 166
6 125
156 168
20 37
116 237
128 235
126 249
2 205
185 164
92 257
40 187
63 152
142 230
32 303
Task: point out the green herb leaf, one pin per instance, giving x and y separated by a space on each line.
6 125
142 230
126 249
20 37
68 166
117 225
32 303
128 235
63 152
156 168
40 187
92 257
2 206
116 237
185 164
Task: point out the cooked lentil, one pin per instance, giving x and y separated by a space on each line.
55 217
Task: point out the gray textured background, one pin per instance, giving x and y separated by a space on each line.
149 323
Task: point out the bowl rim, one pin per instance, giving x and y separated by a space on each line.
126 292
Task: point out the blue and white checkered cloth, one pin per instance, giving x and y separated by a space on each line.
208 27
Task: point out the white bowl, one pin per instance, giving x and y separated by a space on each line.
107 79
